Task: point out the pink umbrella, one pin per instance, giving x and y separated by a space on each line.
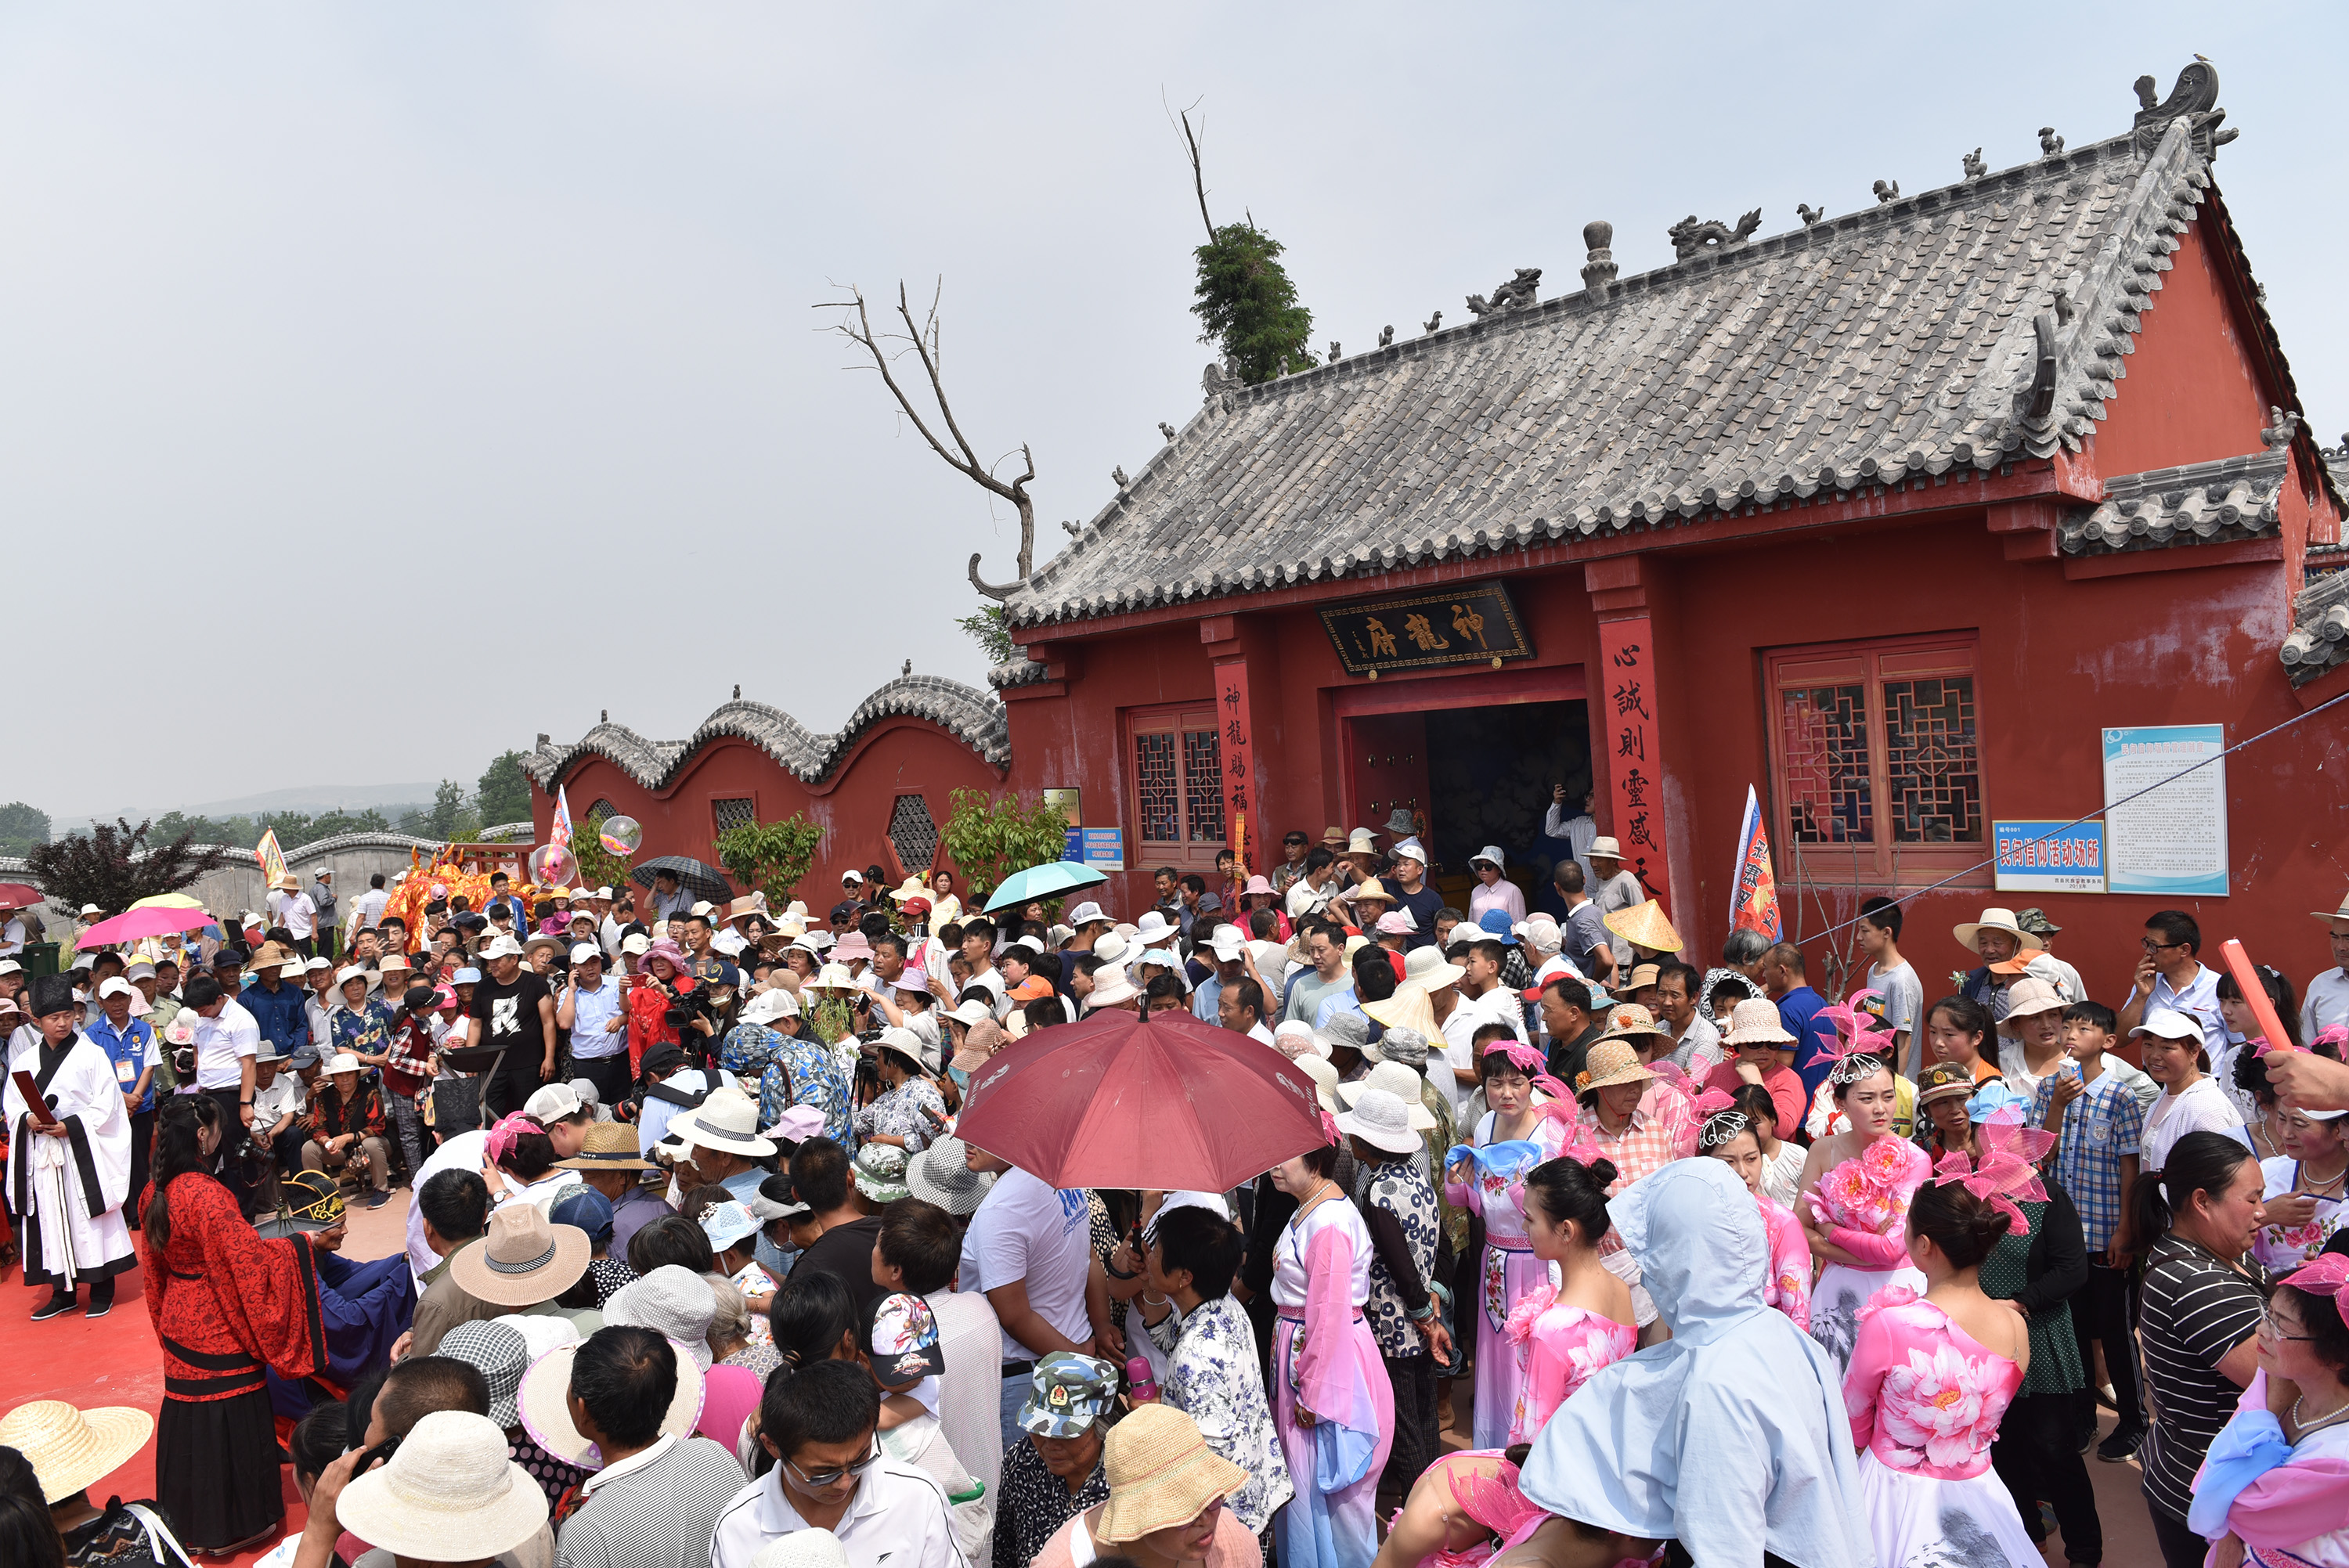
1162 1103
152 920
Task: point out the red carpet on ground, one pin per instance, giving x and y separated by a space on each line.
116 1361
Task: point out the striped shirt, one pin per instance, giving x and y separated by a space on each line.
2196 1310
652 1509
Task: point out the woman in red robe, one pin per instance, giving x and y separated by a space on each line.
224 1304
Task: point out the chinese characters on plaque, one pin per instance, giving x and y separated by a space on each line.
1472 625
1623 703
1237 733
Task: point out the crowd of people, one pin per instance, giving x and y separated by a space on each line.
1696 1264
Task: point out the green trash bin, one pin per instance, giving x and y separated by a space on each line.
38 958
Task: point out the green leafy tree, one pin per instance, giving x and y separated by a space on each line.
991 839
770 856
986 627
1246 303
505 791
115 865
23 826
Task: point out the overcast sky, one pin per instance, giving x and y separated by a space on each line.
353 357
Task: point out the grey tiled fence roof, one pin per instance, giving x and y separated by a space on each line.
1908 339
2204 503
973 717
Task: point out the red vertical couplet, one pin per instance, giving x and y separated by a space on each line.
1625 696
1237 732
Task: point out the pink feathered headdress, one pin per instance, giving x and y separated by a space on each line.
2006 1172
502 1137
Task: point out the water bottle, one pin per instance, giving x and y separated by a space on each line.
1139 1382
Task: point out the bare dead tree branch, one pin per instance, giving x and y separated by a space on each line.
924 337
1198 179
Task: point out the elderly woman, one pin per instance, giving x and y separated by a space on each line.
910 1112
1054 1473
1165 1505
346 1127
2304 1188
2270 1492
1638 1123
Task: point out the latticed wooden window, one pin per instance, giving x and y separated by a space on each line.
728 815
601 811
1179 785
1877 752
913 832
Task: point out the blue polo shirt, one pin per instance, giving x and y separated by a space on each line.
284 1014
1798 1011
132 1051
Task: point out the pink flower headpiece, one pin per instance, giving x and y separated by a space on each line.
1857 1034
2005 1133
2335 1035
2326 1276
1519 1053
2003 1175
508 1132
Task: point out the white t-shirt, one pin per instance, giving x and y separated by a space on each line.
284 1095
1904 1006
1025 1231
296 912
219 1041
367 908
2202 1109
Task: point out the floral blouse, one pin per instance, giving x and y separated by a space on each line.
899 1114
1864 1203
1031 1504
788 1070
1216 1378
1923 1396
2284 1248
1400 1187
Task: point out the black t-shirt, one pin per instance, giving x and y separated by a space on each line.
847 1250
509 1018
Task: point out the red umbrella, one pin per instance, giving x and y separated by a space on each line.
17 896
1162 1103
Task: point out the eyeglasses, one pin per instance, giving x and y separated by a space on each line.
2150 946
818 1479
2268 1329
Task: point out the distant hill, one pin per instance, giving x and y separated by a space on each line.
391 799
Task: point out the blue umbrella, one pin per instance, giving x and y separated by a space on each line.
1043 882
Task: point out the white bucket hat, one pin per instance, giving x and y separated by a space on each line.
726 1120
1427 968
1402 1082
768 1006
1325 1078
546 1415
1604 849
1155 928
1384 1121
1112 986
1086 913
1490 855
448 1494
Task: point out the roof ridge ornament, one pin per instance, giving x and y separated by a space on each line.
2195 100
1598 269
2050 144
1689 236
1518 290
1886 193
1809 213
1974 166
2282 427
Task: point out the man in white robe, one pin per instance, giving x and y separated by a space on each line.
67 1180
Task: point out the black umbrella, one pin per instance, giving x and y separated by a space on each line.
703 881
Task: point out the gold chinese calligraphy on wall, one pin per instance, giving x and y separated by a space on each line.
1472 625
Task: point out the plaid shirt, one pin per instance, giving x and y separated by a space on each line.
407 1066
2100 1127
1662 1129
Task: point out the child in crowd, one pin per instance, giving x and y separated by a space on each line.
1956 1029
2099 1123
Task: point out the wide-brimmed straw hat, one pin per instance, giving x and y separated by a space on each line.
1383 1120
448 1494
1603 848
2340 914
1409 1008
1755 1022
1645 925
546 1414
1372 888
2028 995
1611 1064
831 977
1160 1473
1626 1019
71 1449
728 1120
608 1146
523 1259
1969 933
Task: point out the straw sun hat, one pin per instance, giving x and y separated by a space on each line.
71 1449
1645 925
1611 1064
1161 1474
448 1495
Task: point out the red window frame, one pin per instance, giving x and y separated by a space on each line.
1174 759
1876 760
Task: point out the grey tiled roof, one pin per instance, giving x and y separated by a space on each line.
2319 639
975 717
1903 340
1018 672
2234 498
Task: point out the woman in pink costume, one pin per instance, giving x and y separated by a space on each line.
1486 1175
1932 1375
1728 1135
1332 1404
1566 1333
1854 1204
